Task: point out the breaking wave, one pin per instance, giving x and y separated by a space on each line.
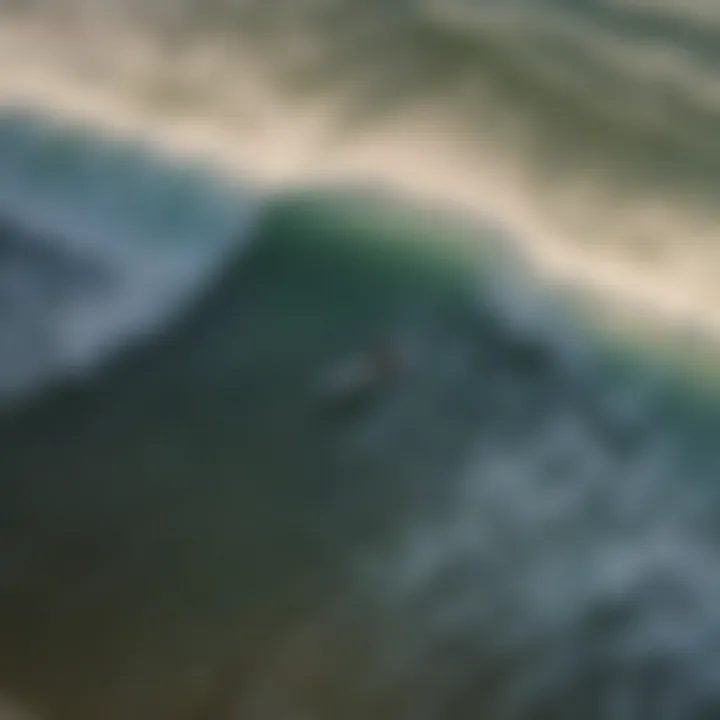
364 413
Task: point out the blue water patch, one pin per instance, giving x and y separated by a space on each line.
156 231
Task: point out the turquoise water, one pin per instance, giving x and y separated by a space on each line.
220 499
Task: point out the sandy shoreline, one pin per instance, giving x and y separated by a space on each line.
286 145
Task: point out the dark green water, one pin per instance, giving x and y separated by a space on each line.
520 522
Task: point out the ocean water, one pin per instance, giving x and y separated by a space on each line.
322 449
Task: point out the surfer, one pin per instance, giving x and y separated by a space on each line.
359 378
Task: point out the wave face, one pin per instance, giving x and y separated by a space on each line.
319 453
233 508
